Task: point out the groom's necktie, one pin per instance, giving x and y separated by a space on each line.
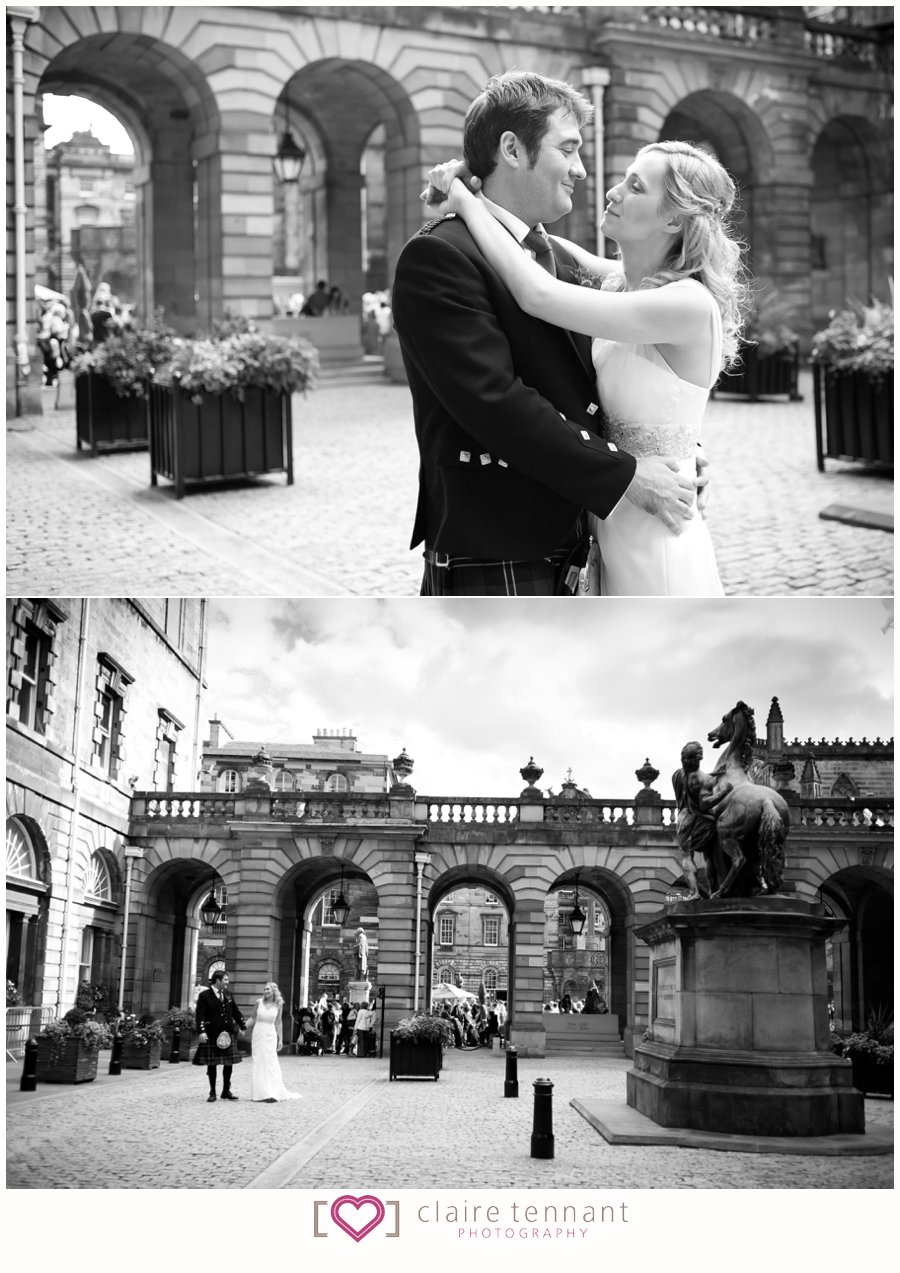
539 244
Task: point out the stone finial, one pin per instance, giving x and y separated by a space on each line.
531 772
403 765
646 774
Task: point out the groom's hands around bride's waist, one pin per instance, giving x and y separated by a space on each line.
659 489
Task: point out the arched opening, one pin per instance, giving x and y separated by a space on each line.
851 217
862 954
346 219
174 950
27 898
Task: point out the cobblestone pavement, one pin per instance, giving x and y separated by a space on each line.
83 526
131 1132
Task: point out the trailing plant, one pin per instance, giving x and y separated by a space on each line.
12 994
244 360
875 1041
76 1024
422 1028
768 325
90 995
858 339
130 359
140 1032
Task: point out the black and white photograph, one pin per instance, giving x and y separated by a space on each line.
450 633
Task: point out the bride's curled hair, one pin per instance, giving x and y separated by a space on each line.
271 992
700 191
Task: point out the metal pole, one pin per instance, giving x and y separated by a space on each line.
542 1143
115 1060
28 1082
74 822
175 1049
18 21
381 1041
131 853
511 1082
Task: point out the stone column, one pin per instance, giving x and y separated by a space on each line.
527 1001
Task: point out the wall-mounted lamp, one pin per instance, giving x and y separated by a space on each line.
211 910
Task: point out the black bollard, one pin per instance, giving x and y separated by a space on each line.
115 1060
511 1084
542 1128
29 1069
175 1050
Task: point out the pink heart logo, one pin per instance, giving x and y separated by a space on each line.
367 1200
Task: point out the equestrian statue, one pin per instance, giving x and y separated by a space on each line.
738 825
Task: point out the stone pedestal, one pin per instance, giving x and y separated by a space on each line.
739 1035
359 992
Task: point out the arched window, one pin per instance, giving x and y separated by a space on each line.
445 975
844 787
328 977
21 859
230 781
489 978
97 880
337 782
284 781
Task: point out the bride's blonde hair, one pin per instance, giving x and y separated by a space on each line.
270 990
699 190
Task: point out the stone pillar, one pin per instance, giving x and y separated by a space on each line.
527 1007
739 1022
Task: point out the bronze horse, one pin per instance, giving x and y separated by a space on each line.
752 821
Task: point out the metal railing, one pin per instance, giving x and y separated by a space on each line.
22 1022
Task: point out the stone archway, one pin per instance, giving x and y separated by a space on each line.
164 101
851 216
334 105
863 951
168 945
465 955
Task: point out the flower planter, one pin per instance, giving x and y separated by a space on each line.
141 1056
854 416
103 420
762 376
74 1063
871 1075
412 1058
219 438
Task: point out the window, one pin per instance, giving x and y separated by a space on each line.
599 920
446 930
109 714
32 662
448 897
489 978
284 781
21 859
97 881
326 914
166 747
444 976
337 782
87 955
86 185
328 977
230 782
490 928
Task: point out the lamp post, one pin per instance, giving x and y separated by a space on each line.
210 910
577 918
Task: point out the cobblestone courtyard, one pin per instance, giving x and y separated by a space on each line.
95 527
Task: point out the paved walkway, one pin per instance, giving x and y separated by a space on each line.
355 1129
95 527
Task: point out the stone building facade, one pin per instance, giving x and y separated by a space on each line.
796 103
102 700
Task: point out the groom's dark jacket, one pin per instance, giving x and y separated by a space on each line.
213 1016
506 407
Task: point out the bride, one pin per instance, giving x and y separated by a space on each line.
665 319
266 1083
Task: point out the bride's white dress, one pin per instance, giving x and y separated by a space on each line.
266 1083
651 411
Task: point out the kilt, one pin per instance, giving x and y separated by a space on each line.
473 577
208 1054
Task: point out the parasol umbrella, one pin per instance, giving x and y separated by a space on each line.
45 294
443 990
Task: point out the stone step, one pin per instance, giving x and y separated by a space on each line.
556 1048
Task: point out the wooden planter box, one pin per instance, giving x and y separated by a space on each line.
103 420
141 1058
76 1063
219 438
416 1060
854 416
762 376
870 1075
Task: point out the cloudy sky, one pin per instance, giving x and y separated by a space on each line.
67 115
473 688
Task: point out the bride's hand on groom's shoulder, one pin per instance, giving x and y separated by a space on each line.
440 180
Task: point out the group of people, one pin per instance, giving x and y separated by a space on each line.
593 1002
332 1027
323 300
60 337
473 1024
558 394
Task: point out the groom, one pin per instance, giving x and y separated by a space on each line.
507 417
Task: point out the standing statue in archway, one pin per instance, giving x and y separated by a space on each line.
362 954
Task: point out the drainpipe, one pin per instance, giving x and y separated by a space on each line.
132 853
421 860
596 78
18 21
76 802
201 661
